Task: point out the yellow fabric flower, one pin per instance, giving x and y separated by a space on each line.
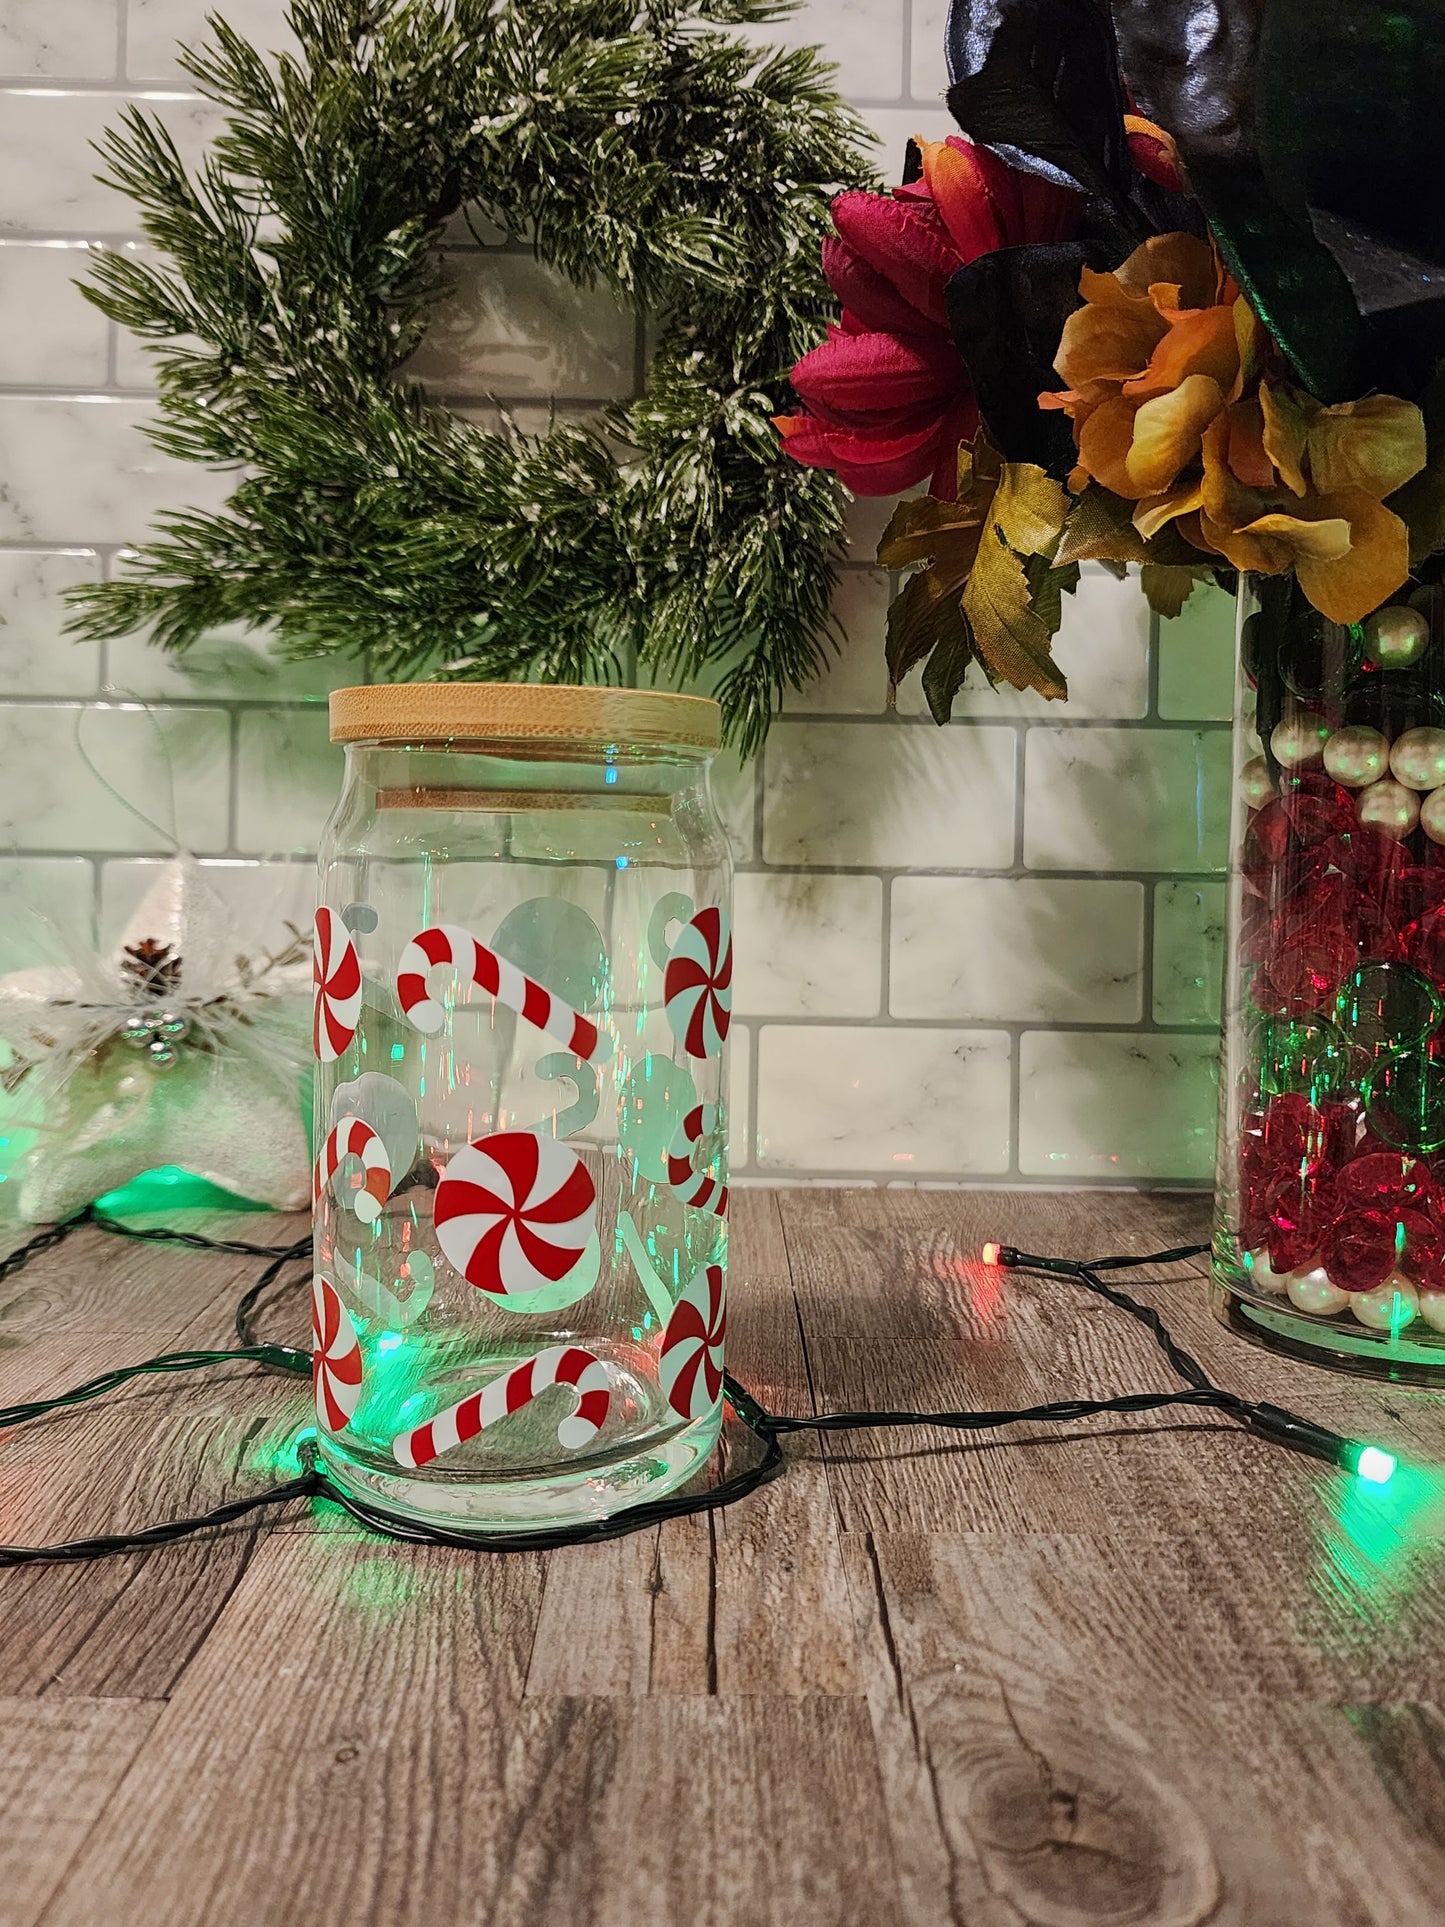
1180 404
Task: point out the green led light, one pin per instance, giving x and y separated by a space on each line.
1374 1466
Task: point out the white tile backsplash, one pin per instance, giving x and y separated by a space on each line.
907 951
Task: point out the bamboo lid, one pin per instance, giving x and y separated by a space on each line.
446 712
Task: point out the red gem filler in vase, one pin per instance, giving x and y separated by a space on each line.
1331 1181
523 986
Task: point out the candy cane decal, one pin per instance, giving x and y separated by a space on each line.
448 943
353 1137
697 986
514 1212
691 1364
558 1365
696 1188
336 975
335 1357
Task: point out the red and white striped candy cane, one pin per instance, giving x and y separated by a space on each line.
696 1188
558 1365
449 943
354 1137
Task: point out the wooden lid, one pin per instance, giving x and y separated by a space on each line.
447 712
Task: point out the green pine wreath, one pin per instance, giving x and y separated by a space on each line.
640 148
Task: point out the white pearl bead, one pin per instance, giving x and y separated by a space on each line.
1358 755
1262 1273
1256 785
1418 758
1396 637
1389 807
1312 1291
1432 1309
1389 1307
1299 741
1432 816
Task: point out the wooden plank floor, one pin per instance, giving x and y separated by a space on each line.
1152 1671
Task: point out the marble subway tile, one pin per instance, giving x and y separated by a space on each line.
808 945
52 335
263 898
1126 799
48 165
734 786
1098 1104
855 681
871 1099
156 30
1189 926
288 777
37 658
510 325
170 764
893 127
1020 949
1102 648
79 469
928 69
59 39
227 663
740 1134
49 906
1196 658
888 795
863 39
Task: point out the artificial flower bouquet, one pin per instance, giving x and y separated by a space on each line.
1174 299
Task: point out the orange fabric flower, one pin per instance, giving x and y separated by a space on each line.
1181 405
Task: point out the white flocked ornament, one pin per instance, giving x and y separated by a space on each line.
1312 1291
1389 1307
1417 759
1389 807
1357 756
1299 741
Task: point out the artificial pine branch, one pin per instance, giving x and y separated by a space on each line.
643 149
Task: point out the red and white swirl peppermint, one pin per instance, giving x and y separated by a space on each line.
336 975
697 1188
335 1357
558 1365
691 1363
458 949
354 1137
514 1212
697 985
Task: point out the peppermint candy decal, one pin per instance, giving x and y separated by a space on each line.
691 1364
354 1137
698 1188
558 1365
336 977
515 1212
450 944
335 1357
697 985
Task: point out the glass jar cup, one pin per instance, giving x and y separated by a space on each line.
523 971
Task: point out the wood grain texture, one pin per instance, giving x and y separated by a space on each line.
1145 1672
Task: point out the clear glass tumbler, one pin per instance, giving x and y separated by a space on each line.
1330 1227
523 985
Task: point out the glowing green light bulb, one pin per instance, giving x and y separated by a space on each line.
1374 1466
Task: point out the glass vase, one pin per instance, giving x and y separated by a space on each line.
1330 1194
523 986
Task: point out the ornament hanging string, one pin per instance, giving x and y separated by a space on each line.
1272 1423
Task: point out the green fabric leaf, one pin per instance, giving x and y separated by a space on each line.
947 667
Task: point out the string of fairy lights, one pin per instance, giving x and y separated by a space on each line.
1273 1423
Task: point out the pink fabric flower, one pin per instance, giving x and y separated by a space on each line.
887 398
